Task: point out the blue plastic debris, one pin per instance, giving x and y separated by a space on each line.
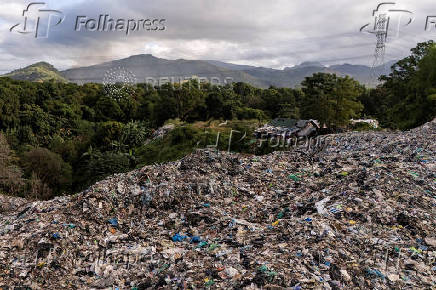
146 199
308 219
206 204
202 244
299 254
375 272
178 238
113 222
71 226
56 236
334 210
195 239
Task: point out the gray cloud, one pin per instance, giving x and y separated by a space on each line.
264 33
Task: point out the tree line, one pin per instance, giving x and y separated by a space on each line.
58 138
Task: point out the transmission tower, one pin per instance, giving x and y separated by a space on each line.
381 27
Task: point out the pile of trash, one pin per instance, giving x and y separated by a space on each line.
288 128
162 131
359 214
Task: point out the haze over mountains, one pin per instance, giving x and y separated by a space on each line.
145 67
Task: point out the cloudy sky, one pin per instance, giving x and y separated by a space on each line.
273 33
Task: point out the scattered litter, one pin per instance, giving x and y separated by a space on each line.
358 215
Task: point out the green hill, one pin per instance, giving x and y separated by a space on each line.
38 72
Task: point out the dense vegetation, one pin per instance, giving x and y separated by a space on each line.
407 96
57 138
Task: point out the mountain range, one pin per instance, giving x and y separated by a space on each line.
147 68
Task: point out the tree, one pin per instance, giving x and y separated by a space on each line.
346 105
214 104
41 123
272 100
288 104
189 100
134 134
38 189
330 99
408 89
426 84
49 168
9 108
107 109
10 175
95 165
108 133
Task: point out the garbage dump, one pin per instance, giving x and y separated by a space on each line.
358 215
288 128
162 131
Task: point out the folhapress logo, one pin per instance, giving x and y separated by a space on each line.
38 19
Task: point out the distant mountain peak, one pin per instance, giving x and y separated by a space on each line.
141 55
311 63
306 64
37 72
41 64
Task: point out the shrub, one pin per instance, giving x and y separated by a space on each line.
96 165
10 175
135 133
49 168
